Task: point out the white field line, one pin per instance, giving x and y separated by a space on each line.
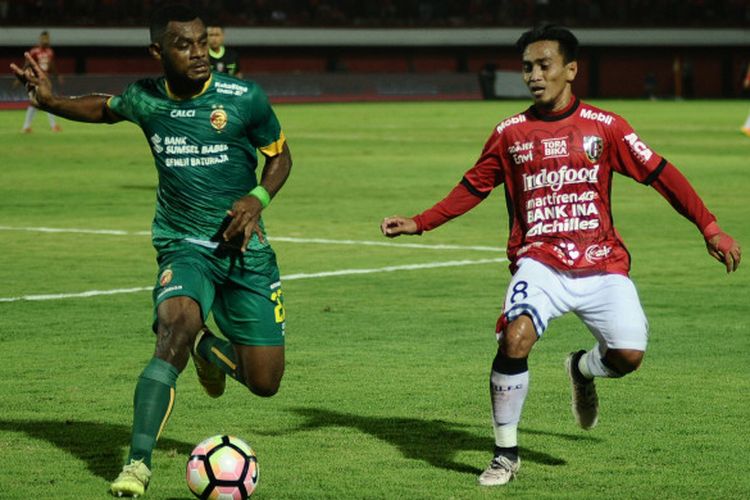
290 277
286 239
425 246
115 232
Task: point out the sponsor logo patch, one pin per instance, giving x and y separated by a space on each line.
593 145
567 253
182 113
513 120
595 253
638 147
556 179
156 143
556 147
597 116
521 152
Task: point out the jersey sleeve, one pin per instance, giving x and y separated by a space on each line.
633 157
676 189
487 172
476 184
263 128
639 162
126 104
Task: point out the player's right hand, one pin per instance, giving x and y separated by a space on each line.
395 226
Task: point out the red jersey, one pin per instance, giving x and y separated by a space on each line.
557 173
43 56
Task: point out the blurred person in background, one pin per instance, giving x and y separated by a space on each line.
45 58
222 59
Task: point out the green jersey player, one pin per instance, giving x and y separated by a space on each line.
203 130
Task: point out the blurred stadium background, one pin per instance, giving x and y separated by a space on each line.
325 50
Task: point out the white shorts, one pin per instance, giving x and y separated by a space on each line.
607 304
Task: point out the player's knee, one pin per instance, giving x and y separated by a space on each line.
264 389
624 361
178 321
518 337
263 383
179 316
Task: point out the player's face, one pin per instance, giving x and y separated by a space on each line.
44 40
215 37
547 75
184 51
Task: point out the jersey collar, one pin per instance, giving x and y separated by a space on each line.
218 54
203 90
558 115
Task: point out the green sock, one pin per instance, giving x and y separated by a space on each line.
152 404
221 353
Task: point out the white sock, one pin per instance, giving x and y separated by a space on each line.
590 365
51 119
508 395
747 122
30 112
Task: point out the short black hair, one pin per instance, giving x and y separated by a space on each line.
563 36
162 16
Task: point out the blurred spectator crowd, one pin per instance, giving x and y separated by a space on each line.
391 13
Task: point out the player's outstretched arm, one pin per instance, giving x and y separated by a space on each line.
396 226
91 108
723 247
246 211
676 189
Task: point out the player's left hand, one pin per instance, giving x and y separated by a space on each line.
35 79
723 248
245 214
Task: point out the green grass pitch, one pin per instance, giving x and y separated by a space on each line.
385 393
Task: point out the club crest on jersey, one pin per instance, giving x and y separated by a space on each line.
593 145
165 277
218 119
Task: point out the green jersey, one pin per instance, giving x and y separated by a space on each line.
204 149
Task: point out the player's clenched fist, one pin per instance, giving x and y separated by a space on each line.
395 226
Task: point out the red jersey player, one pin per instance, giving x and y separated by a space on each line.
45 58
556 161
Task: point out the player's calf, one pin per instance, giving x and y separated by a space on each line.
178 321
623 361
262 368
210 376
584 400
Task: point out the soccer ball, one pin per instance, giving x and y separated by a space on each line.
222 468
